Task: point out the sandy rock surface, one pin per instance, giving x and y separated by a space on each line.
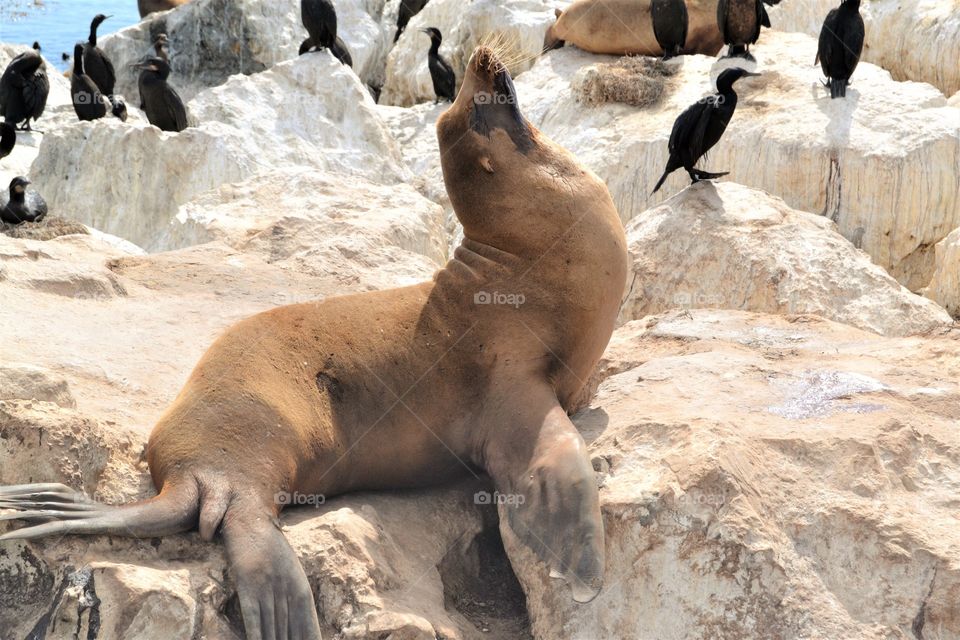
770 477
763 474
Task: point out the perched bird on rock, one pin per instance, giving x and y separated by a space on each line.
320 19
19 208
161 102
740 22
8 139
840 46
670 23
408 9
88 102
24 88
701 126
444 79
160 49
98 68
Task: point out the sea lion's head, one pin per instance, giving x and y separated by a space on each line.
511 187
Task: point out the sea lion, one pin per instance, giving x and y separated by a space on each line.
474 370
151 6
625 27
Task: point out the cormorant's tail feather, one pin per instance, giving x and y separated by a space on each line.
838 88
55 509
662 179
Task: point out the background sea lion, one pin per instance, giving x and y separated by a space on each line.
625 27
150 6
402 388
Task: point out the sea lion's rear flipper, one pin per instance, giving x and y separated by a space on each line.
547 493
275 596
55 509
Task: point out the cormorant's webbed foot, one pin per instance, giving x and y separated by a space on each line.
696 175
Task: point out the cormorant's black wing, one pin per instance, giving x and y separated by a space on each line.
173 105
98 68
761 18
320 19
827 39
35 93
853 36
764 16
444 79
686 139
722 18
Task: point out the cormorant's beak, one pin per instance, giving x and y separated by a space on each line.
750 73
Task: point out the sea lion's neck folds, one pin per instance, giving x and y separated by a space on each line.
475 263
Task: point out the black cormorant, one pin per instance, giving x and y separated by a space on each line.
841 43
740 22
162 104
99 69
408 9
8 138
320 19
670 22
160 49
19 209
88 102
701 126
24 88
444 79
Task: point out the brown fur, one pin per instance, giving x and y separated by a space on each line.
152 6
624 27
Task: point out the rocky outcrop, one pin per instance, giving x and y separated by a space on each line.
213 40
915 41
129 179
515 28
321 224
835 157
945 285
730 247
769 477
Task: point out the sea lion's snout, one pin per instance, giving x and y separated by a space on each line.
488 94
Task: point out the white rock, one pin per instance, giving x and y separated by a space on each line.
945 285
324 223
518 25
882 163
919 40
26 382
129 179
731 247
212 40
728 516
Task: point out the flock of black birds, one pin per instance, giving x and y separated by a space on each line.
701 125
24 87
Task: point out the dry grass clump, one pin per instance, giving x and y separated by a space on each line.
47 229
638 81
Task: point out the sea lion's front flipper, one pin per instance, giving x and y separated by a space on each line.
547 492
275 596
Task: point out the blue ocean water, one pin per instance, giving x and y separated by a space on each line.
59 24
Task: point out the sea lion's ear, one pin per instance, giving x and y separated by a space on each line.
558 12
486 164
